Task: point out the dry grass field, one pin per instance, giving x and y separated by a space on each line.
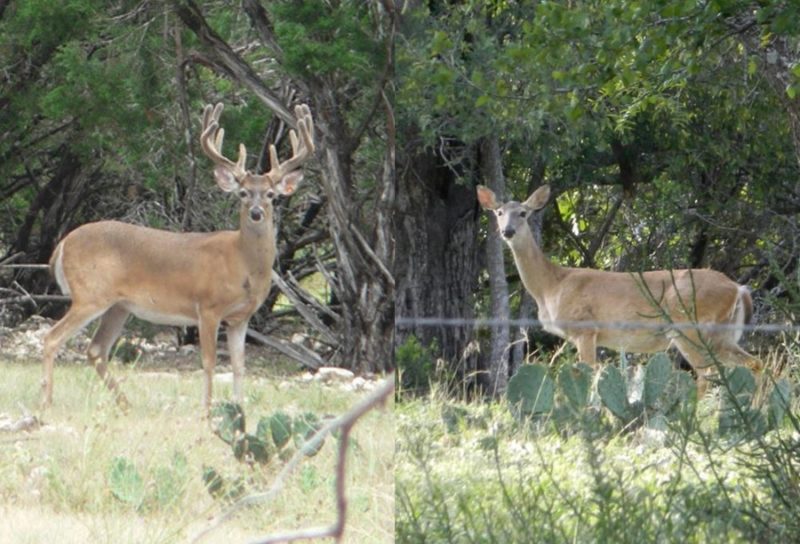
58 481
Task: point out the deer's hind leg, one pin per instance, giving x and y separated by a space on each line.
74 320
111 325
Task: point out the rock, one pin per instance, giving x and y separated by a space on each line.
330 374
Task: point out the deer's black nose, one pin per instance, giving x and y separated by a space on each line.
508 233
256 214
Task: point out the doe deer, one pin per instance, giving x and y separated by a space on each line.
112 269
577 303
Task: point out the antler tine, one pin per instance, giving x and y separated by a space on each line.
302 147
212 137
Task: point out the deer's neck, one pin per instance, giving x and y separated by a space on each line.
538 274
257 245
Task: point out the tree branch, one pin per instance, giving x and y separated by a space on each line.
263 26
240 70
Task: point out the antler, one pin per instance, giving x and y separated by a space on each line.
302 148
211 141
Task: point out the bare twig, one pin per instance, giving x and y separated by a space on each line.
344 422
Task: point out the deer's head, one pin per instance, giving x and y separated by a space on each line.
257 191
512 217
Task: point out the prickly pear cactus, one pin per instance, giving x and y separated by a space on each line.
575 382
657 375
305 427
125 482
227 421
613 393
276 428
530 391
251 448
221 488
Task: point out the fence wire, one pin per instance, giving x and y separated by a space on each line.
652 324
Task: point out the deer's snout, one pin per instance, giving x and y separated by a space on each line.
508 233
256 214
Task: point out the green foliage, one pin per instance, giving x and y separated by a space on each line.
741 415
504 482
593 96
415 364
778 403
320 39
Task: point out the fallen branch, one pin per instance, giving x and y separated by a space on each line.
344 422
299 353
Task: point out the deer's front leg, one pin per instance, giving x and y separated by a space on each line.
236 337
587 348
208 329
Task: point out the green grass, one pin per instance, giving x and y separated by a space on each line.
472 473
56 483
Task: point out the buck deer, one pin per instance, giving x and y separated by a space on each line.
575 303
113 269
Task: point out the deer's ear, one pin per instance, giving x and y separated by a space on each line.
225 178
539 198
288 183
486 198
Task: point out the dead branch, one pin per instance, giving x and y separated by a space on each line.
306 307
344 422
298 352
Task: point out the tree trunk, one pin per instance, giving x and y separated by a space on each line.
498 353
436 266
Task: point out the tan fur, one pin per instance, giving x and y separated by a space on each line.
568 296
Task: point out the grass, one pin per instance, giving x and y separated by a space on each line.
472 473
56 483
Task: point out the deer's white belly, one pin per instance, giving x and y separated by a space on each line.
159 317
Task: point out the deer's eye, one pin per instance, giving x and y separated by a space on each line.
499 213
522 214
243 193
270 194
